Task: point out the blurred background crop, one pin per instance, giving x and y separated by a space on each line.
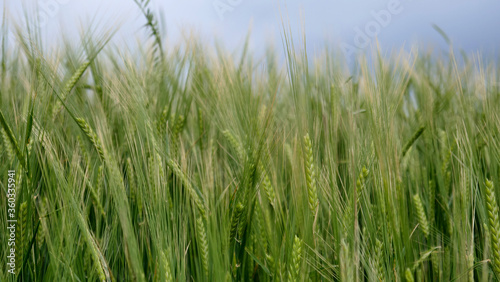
349 26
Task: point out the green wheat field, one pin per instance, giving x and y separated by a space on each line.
186 162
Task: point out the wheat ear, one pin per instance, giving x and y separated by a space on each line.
240 151
69 86
203 244
409 275
267 186
293 271
199 202
494 226
8 147
412 140
95 199
310 175
235 219
422 218
360 184
23 232
85 127
379 259
8 135
168 270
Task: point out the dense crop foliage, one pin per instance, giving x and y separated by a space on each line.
197 165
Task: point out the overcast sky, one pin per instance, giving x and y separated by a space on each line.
350 25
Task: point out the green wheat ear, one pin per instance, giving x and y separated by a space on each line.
166 264
100 180
198 200
95 199
83 150
294 267
266 184
23 232
235 219
360 184
152 172
235 144
176 132
412 140
85 127
203 244
42 212
409 275
97 263
270 262
494 226
346 267
470 266
310 175
9 139
69 86
201 128
260 222
432 201
162 122
87 261
132 185
422 218
8 147
379 259
163 178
